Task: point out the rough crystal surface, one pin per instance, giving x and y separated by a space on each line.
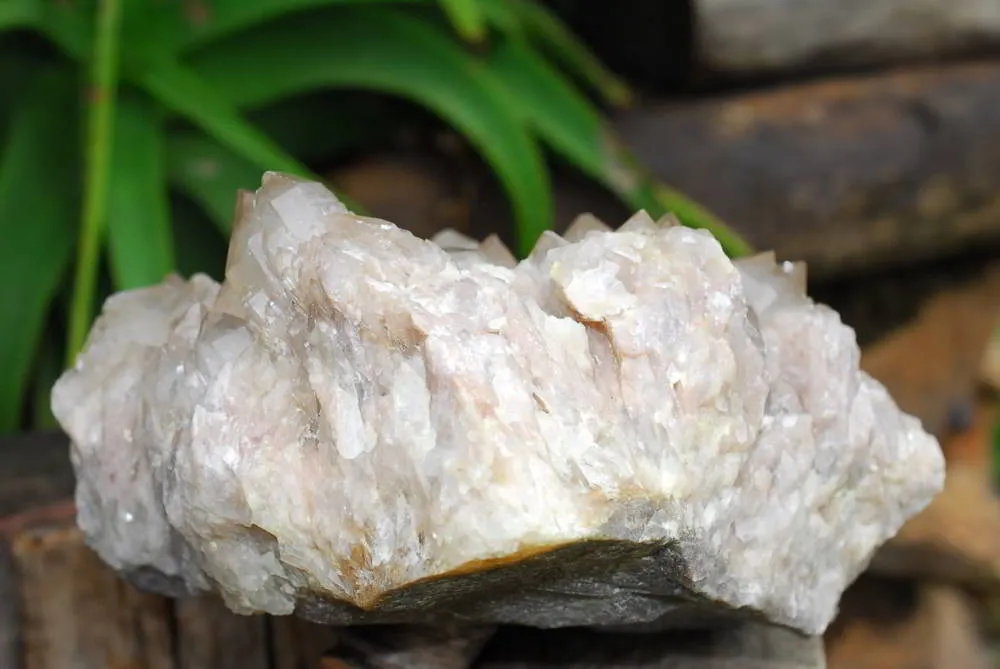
358 425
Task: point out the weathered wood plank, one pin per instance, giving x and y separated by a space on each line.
767 36
209 636
10 612
847 173
77 614
897 624
934 361
74 612
299 644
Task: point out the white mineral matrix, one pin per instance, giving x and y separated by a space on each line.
358 425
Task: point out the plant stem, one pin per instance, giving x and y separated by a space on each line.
100 123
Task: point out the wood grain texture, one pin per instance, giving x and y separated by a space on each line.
10 611
754 37
298 644
895 624
210 637
847 173
77 614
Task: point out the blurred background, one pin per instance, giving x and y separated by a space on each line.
859 136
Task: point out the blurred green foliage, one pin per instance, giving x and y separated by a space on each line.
113 108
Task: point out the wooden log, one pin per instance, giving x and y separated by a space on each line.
894 624
10 611
949 336
209 636
754 37
76 613
845 174
298 644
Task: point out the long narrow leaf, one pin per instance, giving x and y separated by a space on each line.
210 175
70 25
167 29
140 240
38 204
17 71
567 121
323 127
563 117
548 32
389 52
100 125
466 17
187 95
19 14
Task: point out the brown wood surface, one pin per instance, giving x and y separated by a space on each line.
74 612
10 611
754 37
844 173
77 613
896 624
209 636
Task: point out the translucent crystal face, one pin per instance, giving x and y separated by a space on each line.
356 415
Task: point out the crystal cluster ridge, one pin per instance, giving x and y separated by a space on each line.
358 425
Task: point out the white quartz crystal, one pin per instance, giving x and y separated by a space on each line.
359 425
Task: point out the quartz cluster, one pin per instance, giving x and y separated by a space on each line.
626 429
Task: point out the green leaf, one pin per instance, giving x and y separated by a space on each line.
200 247
560 115
100 125
392 53
323 126
503 19
19 14
694 215
17 71
569 123
38 205
545 29
209 174
186 94
140 240
466 17
70 25
166 29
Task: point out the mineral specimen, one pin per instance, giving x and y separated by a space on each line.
624 429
